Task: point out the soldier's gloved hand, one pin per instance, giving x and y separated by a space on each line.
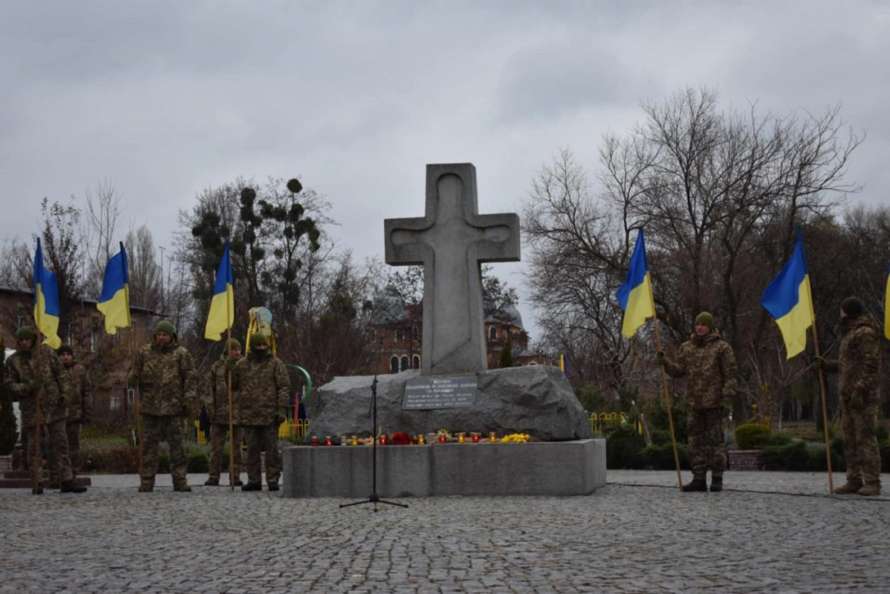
659 357
230 363
33 387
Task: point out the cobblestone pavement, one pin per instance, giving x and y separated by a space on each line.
624 538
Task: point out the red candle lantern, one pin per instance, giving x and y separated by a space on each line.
475 437
382 439
314 440
441 438
328 441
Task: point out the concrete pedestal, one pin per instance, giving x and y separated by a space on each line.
536 468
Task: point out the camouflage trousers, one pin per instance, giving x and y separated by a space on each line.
259 438
861 450
218 434
156 429
59 462
72 428
707 450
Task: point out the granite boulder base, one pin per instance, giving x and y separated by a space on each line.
535 399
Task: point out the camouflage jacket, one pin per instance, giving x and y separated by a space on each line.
79 393
710 365
262 385
216 394
166 382
858 363
26 369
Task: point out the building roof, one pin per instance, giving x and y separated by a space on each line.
30 294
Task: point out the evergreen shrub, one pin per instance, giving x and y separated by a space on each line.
623 448
751 436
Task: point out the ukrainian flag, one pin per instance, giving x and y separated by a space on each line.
222 306
635 295
789 300
46 301
114 302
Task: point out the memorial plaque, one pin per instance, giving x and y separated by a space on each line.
431 392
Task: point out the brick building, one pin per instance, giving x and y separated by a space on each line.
107 358
398 333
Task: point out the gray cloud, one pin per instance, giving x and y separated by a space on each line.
168 98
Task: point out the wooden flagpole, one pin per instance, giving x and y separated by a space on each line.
37 458
665 389
232 444
137 404
823 389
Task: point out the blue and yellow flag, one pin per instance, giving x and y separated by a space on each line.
114 301
887 308
635 295
789 300
222 305
46 301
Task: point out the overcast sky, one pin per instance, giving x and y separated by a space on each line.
165 99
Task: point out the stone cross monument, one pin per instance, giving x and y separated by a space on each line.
451 241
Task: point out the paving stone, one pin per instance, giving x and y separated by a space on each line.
767 532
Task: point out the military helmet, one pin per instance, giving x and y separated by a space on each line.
705 318
26 332
165 326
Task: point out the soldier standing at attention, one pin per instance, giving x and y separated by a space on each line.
710 365
262 384
858 363
79 403
34 370
216 401
163 371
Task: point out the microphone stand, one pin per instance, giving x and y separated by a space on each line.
373 497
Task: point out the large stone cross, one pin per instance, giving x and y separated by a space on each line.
451 241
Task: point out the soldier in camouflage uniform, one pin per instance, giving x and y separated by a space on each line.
35 371
858 363
710 365
164 372
216 400
263 385
79 403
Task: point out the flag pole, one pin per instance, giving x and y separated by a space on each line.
823 391
232 444
666 396
665 389
137 404
37 458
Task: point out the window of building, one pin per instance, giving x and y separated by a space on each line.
394 365
415 363
404 362
92 341
492 333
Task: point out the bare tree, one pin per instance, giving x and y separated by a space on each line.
102 214
145 273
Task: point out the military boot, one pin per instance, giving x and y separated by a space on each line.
252 487
182 488
71 487
212 482
716 484
37 491
146 486
273 485
852 486
870 489
698 483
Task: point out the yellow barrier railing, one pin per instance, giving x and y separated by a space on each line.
599 420
294 430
